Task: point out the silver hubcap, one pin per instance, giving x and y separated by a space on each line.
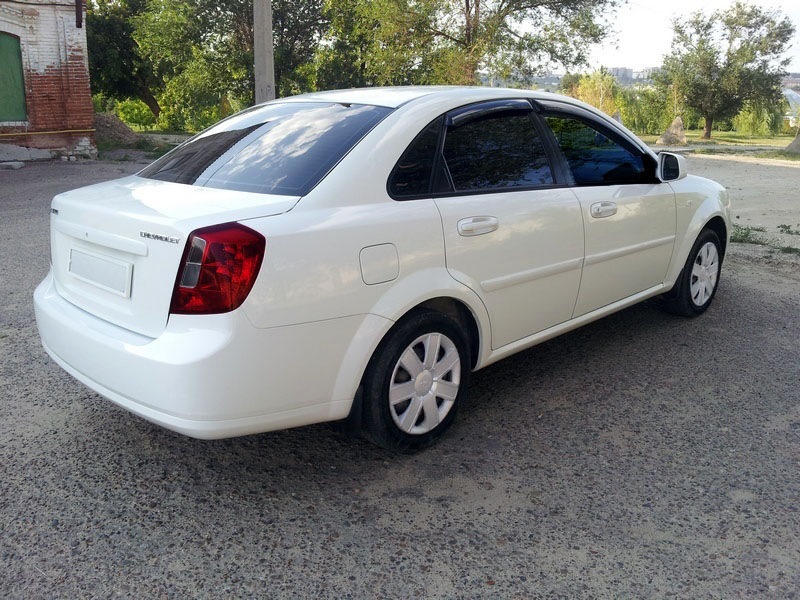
705 272
424 383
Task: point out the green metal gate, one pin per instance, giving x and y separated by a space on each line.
12 86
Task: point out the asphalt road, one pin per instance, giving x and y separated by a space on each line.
642 456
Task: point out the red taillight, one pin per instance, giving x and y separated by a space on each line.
218 269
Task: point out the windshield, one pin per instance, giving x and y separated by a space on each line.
281 148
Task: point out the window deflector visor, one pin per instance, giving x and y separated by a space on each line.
484 110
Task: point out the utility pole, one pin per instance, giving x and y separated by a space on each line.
263 50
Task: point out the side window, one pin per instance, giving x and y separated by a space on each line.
498 150
411 176
593 158
12 86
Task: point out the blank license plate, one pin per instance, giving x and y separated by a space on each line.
102 271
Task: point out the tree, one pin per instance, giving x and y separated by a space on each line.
569 84
194 58
374 43
723 60
644 109
454 41
116 68
297 27
599 89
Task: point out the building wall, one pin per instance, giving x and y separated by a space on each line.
56 75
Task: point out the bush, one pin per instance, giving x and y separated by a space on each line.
102 103
644 110
135 112
759 121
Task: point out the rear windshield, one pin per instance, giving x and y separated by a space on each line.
283 148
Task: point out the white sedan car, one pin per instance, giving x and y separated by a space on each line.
357 254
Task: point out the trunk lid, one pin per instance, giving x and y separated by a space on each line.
116 247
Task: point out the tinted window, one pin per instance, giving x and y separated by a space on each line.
496 152
593 158
275 149
412 173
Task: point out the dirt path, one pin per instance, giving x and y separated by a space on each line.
765 193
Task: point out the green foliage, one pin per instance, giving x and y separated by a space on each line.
757 119
191 62
644 109
375 43
102 103
297 26
569 84
747 235
788 229
116 68
450 41
194 98
723 60
135 112
599 89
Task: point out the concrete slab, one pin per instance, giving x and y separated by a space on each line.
10 152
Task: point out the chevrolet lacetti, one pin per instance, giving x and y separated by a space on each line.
355 255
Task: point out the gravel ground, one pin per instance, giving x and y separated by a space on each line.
641 456
764 193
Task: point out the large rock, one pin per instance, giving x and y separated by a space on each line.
794 147
675 135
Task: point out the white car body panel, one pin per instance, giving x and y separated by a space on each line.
141 224
313 259
629 251
536 251
697 202
343 265
179 379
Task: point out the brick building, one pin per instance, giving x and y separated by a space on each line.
45 100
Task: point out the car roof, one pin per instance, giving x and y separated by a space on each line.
394 97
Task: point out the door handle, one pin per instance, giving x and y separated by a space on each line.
477 225
603 209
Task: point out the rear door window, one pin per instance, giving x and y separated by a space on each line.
496 149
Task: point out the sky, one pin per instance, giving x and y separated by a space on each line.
643 31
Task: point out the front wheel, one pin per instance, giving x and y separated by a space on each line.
415 382
698 281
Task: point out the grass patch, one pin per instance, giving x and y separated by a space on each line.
694 137
720 150
752 235
788 229
779 154
748 235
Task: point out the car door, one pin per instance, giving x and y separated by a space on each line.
510 232
629 216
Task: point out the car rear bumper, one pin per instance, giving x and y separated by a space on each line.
210 376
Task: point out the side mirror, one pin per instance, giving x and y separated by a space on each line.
671 167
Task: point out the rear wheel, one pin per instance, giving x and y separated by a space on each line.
697 283
415 382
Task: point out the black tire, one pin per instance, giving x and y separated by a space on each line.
698 281
424 405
